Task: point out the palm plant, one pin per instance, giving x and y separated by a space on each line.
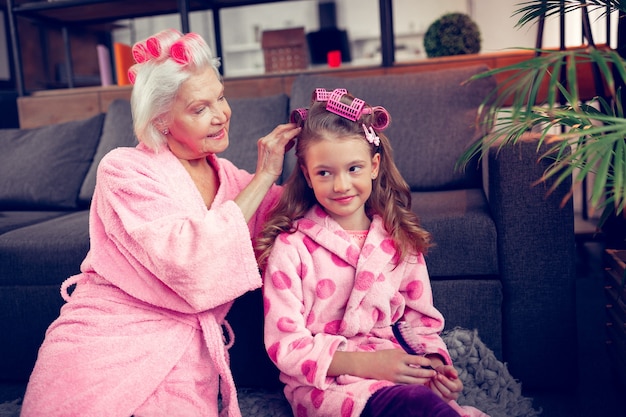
543 95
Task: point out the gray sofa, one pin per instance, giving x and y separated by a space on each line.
503 262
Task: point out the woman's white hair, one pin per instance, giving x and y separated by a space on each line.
164 62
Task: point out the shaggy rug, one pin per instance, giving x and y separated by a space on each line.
488 385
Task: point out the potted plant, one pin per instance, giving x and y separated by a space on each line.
452 34
542 95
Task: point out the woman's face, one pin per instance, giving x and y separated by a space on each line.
200 117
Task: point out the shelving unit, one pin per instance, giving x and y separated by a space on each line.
77 13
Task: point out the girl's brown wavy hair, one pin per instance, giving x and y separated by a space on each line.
390 198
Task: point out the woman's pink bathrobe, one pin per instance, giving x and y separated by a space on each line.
147 313
323 294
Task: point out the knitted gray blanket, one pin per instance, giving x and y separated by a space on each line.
488 385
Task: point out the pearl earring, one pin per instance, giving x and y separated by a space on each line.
165 131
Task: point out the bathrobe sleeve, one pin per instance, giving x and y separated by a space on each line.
427 322
290 345
153 236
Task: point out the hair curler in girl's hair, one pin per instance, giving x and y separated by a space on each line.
298 116
154 44
381 118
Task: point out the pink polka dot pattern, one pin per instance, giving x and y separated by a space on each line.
317 397
310 319
301 411
319 212
338 261
415 289
378 385
272 351
346 407
300 343
306 224
286 324
310 244
303 270
380 277
352 254
364 281
388 246
325 288
367 250
266 305
333 327
309 369
378 315
429 321
284 238
280 280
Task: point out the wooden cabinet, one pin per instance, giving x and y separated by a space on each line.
615 289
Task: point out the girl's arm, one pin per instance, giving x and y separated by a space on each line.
425 320
390 364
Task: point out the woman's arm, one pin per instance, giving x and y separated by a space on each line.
271 154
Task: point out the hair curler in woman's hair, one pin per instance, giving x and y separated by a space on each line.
132 74
182 51
154 44
140 52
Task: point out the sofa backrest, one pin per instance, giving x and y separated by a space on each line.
43 168
433 119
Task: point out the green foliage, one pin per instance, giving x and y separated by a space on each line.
542 95
452 34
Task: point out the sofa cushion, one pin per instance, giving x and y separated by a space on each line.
14 219
43 168
116 132
463 231
252 118
422 107
44 253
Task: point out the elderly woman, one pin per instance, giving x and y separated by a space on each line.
170 225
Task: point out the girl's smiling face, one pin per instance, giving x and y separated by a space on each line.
340 171
200 117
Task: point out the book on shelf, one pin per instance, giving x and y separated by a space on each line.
104 65
123 57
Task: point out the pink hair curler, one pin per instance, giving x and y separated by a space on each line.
322 94
140 52
298 116
132 74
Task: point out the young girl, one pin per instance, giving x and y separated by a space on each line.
343 262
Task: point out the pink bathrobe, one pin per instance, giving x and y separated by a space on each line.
323 294
142 333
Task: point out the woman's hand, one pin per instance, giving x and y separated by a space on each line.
272 149
391 365
446 383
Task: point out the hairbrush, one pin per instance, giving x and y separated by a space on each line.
407 338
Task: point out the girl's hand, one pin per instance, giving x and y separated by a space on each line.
272 149
446 383
393 365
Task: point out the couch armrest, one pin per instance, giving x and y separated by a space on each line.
536 252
